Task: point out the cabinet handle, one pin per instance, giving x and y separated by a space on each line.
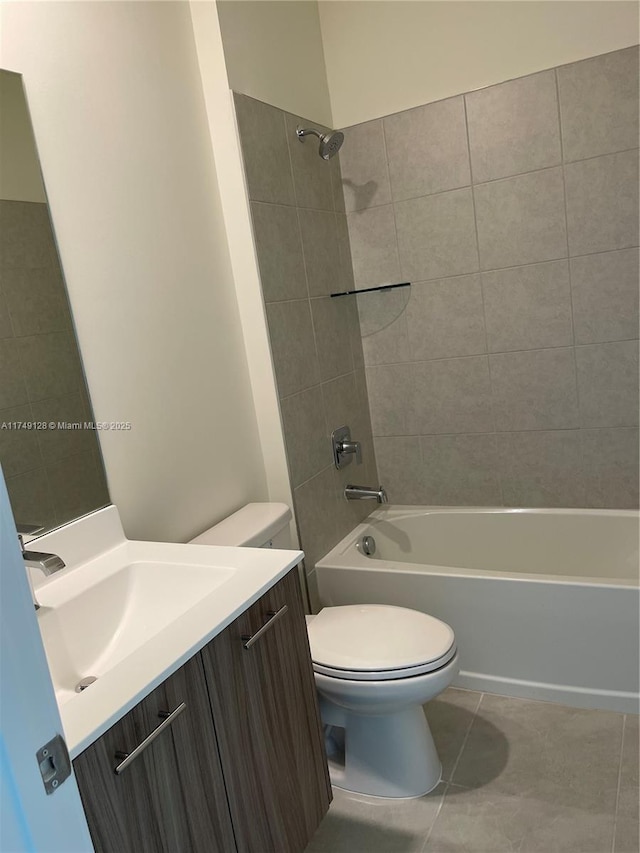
249 639
129 757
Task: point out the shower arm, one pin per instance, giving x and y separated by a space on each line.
306 131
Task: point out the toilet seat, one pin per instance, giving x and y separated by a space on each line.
374 642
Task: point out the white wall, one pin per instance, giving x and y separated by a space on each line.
235 205
20 178
389 55
117 106
273 52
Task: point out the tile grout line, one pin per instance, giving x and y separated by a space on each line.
437 815
391 199
615 815
501 352
498 475
482 183
583 485
466 738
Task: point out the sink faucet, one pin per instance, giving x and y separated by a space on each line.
47 563
363 493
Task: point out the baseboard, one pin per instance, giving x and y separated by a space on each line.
576 697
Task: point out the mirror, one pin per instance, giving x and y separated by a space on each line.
49 450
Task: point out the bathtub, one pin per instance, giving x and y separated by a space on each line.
544 602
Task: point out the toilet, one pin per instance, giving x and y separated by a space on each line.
375 666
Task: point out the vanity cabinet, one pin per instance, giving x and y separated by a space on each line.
268 725
238 762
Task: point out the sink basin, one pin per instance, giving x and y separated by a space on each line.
89 625
129 613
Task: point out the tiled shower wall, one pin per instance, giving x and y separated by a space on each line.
52 475
300 232
508 372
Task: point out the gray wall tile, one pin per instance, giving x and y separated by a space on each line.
608 384
341 405
331 328
311 174
19 448
353 322
610 458
374 248
383 325
308 450
321 252
51 365
13 388
460 470
316 504
344 252
336 183
363 162
30 497
59 444
400 469
436 235
541 468
279 249
452 395
445 318
513 127
36 300
528 307
604 291
427 149
26 235
521 220
599 104
534 390
77 486
292 346
265 151
6 329
304 255
602 203
389 388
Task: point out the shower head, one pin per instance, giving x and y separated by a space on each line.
330 142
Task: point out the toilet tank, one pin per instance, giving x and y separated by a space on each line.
256 525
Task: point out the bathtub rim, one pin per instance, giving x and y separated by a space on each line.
355 560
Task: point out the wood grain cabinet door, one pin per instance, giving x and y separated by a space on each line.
268 725
171 797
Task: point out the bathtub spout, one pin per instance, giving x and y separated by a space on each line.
364 493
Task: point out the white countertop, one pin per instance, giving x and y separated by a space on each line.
95 547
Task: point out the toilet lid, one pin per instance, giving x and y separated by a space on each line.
377 638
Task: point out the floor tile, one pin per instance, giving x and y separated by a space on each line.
487 820
450 717
563 757
358 824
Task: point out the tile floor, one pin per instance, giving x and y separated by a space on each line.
518 775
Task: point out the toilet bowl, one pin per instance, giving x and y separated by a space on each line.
375 666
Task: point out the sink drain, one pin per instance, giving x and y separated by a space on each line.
84 683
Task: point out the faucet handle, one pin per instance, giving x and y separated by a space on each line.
352 447
344 448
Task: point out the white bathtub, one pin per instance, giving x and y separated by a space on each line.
544 603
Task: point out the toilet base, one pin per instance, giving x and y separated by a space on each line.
387 755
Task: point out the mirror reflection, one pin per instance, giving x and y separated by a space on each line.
49 451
